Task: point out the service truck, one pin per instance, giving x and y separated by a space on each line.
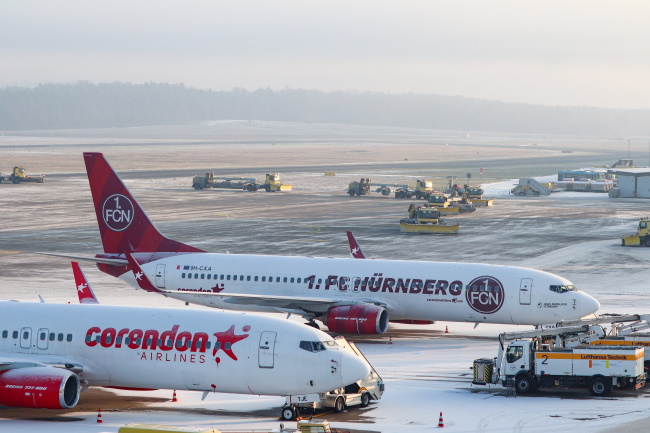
18 175
271 183
529 360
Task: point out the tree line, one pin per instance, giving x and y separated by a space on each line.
90 105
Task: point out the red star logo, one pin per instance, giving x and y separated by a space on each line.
225 340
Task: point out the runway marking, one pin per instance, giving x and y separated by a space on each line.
9 252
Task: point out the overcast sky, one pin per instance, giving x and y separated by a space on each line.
552 52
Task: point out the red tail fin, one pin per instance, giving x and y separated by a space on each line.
355 249
85 293
123 225
140 277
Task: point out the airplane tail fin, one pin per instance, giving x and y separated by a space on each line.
355 249
123 225
84 291
140 277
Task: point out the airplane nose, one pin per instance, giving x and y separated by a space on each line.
353 368
587 305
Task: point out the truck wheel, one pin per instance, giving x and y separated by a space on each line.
599 386
418 195
524 384
250 187
365 399
267 188
339 405
647 241
351 192
289 413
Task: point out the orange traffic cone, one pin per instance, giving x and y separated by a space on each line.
99 416
441 423
174 399
446 329
390 341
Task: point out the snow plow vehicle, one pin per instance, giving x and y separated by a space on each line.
425 219
475 194
271 183
642 236
18 175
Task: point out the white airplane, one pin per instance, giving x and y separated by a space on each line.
348 295
50 352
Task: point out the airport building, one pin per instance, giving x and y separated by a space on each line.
633 182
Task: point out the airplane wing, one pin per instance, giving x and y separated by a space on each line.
84 291
307 304
14 362
114 262
355 249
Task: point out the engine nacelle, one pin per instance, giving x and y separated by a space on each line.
39 387
357 319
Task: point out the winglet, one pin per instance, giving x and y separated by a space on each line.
84 291
355 249
140 277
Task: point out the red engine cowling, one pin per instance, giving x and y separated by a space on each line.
39 387
357 319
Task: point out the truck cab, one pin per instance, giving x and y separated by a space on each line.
642 236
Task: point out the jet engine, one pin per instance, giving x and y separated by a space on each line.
357 319
39 387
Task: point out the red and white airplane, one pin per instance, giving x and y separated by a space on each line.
50 352
348 295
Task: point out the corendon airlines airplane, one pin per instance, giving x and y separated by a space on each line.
348 295
49 352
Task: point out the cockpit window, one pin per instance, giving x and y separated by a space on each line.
316 346
563 289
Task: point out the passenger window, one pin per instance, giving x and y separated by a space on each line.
52 336
241 278
277 279
5 334
69 338
209 276
183 275
25 335
189 276
61 337
196 276
263 279
284 280
43 336
208 344
221 277
228 277
14 334
299 280
291 279
248 278
255 279
203 276
514 353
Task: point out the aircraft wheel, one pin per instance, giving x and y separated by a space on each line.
339 405
289 413
365 399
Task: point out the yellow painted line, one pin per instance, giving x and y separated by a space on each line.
9 252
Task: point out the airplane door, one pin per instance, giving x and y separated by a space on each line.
267 349
26 338
525 290
42 338
160 276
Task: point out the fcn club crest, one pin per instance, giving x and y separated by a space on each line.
118 212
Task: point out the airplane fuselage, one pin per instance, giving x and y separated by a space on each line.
175 348
409 290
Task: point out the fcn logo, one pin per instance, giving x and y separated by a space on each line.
118 212
485 295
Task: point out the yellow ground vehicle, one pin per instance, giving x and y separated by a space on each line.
424 219
475 194
642 237
18 176
271 183
423 189
360 188
444 204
